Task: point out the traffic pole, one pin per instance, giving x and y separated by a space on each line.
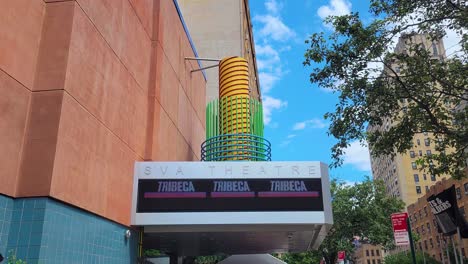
410 234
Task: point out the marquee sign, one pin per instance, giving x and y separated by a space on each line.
237 207
229 195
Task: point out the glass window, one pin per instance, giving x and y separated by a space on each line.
413 165
427 188
425 133
430 242
424 177
418 142
372 252
418 189
433 178
428 152
466 187
428 227
425 244
368 261
416 178
379 261
420 153
425 211
367 252
435 52
457 190
377 252
427 142
412 154
462 211
373 261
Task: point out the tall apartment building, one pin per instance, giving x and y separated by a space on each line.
424 224
227 32
403 178
86 89
368 254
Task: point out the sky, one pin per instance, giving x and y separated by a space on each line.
294 108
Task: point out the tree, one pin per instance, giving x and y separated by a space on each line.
362 210
405 258
422 94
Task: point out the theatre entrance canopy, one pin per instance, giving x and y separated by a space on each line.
205 208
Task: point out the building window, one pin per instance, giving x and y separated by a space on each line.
418 142
427 142
424 177
418 189
462 211
423 230
372 252
433 178
367 252
430 242
368 261
427 188
411 153
373 261
377 252
379 261
425 244
466 188
425 211
425 133
428 227
458 193
435 52
420 153
416 178
420 245
428 152
413 165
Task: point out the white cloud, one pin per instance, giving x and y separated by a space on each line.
268 58
270 104
273 27
291 136
267 80
272 6
312 123
334 8
357 155
285 143
271 33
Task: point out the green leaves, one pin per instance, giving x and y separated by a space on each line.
397 94
362 210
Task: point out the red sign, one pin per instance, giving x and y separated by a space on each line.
341 255
400 229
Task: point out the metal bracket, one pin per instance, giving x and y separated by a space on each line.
203 59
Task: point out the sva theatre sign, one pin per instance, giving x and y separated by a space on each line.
165 190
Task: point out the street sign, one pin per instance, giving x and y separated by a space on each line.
400 229
341 257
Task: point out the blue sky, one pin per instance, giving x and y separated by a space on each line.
294 107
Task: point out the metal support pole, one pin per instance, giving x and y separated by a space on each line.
460 242
202 59
204 68
447 251
454 250
410 234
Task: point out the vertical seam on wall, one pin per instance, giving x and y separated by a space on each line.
138 17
